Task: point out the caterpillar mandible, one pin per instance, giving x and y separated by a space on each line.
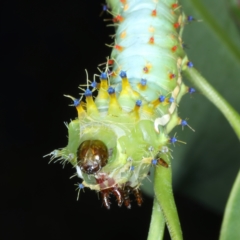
121 133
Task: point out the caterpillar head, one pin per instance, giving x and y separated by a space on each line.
92 155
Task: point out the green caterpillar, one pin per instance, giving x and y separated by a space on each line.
121 133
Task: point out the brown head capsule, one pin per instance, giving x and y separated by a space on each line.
92 155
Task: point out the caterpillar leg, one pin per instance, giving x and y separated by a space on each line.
117 192
138 196
126 197
122 195
105 194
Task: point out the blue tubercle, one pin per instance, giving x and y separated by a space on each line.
190 64
132 168
143 82
76 102
190 18
111 90
154 161
123 74
105 8
184 123
161 98
138 103
88 93
191 90
171 99
103 75
173 140
94 84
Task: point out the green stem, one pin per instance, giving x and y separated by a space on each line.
164 196
203 86
157 225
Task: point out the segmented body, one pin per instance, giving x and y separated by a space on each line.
136 105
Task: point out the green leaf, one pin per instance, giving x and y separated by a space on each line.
230 227
234 7
206 167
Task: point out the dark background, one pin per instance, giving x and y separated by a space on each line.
45 47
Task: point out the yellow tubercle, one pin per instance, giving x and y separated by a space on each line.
104 84
147 110
159 100
141 87
127 91
126 87
80 110
91 106
114 107
79 106
155 103
102 93
136 110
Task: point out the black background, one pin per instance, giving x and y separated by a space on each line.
45 47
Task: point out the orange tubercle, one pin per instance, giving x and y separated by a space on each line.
118 47
110 61
174 5
123 34
176 25
151 40
125 7
171 76
151 29
154 13
147 68
174 48
118 19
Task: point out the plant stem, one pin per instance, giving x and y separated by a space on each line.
157 225
164 198
227 110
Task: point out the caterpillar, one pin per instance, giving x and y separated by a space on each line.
124 130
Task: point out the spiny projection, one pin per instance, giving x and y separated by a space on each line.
121 133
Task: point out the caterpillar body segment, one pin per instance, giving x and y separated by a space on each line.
116 136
